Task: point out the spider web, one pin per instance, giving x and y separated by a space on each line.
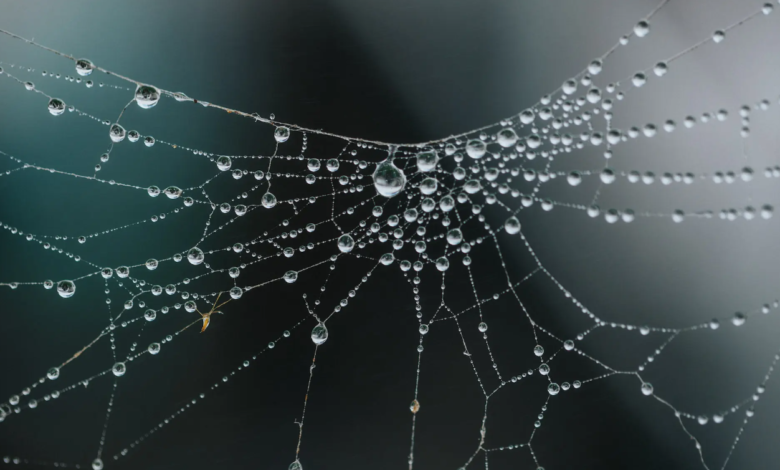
320 219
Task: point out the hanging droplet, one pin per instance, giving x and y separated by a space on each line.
553 389
512 226
538 351
475 148
281 134
97 464
117 133
442 264
66 289
154 349
574 178
414 407
119 369
56 106
389 180
482 327
506 137
454 236
428 186
660 69
147 96
346 243
319 334
295 466
84 67
718 36
173 192
647 388
236 292
195 256
426 161
290 277
268 200
53 373
642 28
569 86
150 315
639 79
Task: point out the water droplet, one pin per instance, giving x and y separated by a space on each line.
297 464
224 163
66 289
454 236
97 464
442 264
647 389
154 349
281 134
426 161
414 407
84 67
319 334
290 276
147 96
476 148
718 36
346 243
512 226
53 373
56 106
506 137
428 186
639 79
268 200
482 327
553 389
389 180
642 28
119 369
117 133
195 256
236 292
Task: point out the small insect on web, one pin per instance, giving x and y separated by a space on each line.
438 212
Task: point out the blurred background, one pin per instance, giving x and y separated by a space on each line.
401 71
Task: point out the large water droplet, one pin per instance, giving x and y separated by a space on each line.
147 96
117 133
195 256
319 334
66 289
119 369
389 180
84 67
268 200
476 148
512 226
346 243
426 161
56 106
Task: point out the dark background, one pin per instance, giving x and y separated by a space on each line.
396 71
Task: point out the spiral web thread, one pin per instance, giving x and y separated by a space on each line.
436 223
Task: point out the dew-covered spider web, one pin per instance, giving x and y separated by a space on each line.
303 230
